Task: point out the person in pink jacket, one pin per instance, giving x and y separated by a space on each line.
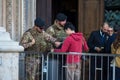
74 43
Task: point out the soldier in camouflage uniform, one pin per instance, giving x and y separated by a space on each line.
35 39
57 31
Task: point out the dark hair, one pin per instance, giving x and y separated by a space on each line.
116 43
61 17
70 26
39 22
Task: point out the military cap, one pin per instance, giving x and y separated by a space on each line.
61 17
39 22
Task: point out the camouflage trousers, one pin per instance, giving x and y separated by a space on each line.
33 68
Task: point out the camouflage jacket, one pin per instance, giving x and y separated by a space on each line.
41 40
57 31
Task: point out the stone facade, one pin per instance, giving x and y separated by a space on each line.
9 56
17 16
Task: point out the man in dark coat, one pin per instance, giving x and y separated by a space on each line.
96 44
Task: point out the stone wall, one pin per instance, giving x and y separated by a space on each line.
17 16
9 56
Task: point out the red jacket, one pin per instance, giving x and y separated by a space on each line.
73 43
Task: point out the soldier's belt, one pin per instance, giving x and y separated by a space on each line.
33 55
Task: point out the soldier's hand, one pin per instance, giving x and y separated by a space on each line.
57 44
26 45
33 41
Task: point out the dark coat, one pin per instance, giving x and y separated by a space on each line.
96 40
110 40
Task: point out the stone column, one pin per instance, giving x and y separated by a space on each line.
28 14
1 13
9 56
17 16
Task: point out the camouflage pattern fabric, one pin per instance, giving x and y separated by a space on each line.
57 32
33 68
41 40
40 45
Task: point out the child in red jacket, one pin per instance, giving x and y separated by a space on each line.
74 43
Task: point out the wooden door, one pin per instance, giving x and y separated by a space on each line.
90 15
44 10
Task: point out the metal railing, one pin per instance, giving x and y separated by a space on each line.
31 65
53 66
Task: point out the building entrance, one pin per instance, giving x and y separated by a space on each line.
69 7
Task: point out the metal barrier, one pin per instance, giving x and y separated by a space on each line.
31 66
36 66
92 66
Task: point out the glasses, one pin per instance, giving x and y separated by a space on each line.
110 30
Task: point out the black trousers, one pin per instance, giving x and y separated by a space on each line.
94 64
